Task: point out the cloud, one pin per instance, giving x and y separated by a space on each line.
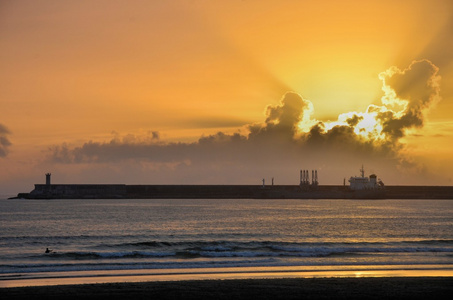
416 89
4 141
282 119
288 139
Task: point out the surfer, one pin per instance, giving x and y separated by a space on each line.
48 250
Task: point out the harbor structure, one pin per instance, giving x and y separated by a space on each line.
304 181
361 187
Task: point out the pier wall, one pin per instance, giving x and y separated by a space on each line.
123 191
419 192
78 191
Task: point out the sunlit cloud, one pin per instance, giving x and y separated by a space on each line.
408 96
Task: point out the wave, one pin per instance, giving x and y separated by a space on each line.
199 253
229 244
219 249
208 245
105 255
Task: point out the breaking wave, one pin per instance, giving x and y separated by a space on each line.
209 249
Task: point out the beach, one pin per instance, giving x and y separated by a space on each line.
267 283
285 288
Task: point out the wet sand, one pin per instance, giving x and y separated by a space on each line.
190 274
286 288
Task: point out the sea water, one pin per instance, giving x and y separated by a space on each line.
130 234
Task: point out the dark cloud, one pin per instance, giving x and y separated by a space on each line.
354 120
418 88
418 84
4 141
282 120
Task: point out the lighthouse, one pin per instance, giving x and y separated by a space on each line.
48 179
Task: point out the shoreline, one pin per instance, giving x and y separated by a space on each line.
232 273
277 288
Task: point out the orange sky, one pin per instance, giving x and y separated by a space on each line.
151 73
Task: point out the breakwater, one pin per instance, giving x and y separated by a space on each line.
123 191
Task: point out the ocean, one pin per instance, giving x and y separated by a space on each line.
120 235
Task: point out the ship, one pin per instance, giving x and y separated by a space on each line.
360 183
366 187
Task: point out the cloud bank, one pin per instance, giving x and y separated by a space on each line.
287 140
4 141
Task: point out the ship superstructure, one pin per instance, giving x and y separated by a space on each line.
365 183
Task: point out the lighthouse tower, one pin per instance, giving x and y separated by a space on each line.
48 179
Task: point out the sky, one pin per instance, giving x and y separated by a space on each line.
225 92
